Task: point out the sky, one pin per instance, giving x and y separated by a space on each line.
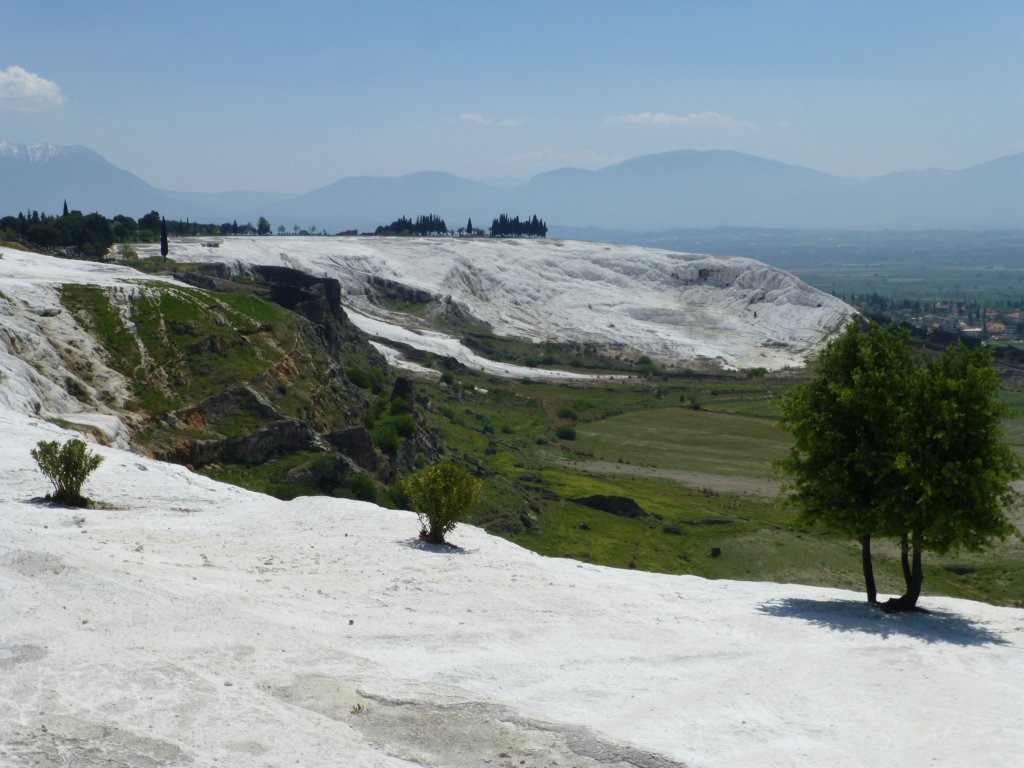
288 97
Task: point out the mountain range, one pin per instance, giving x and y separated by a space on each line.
681 189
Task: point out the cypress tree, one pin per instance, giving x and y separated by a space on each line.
163 238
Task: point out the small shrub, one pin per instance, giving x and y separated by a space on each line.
448 378
566 432
385 437
404 425
128 253
359 377
568 412
67 467
327 473
360 487
442 495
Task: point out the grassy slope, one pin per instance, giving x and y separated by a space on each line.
179 346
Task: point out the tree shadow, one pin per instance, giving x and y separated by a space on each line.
425 546
849 616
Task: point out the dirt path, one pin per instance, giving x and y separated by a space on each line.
754 486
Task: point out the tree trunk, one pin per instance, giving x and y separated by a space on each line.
913 575
869 569
905 560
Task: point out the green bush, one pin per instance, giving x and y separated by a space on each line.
566 432
442 495
405 425
568 412
359 377
66 466
360 487
385 437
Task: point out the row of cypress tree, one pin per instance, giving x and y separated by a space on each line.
431 224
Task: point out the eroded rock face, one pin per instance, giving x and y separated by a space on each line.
253 448
318 299
357 444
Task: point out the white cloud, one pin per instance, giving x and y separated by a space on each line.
712 119
27 92
481 120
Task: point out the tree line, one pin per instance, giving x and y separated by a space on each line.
431 224
93 234
506 226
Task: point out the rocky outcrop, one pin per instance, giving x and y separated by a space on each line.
255 447
318 299
357 444
623 506
224 406
390 289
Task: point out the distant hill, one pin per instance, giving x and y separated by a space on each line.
42 176
711 189
364 202
683 189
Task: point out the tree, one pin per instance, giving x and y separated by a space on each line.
955 465
65 207
442 495
886 444
151 223
67 467
263 226
163 239
841 463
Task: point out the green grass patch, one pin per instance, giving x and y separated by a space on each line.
685 439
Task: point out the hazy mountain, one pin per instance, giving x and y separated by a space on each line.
684 189
226 206
364 202
711 189
42 176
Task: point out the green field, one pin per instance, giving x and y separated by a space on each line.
686 439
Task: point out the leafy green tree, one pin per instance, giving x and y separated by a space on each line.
263 226
442 495
886 444
955 466
151 222
67 467
842 464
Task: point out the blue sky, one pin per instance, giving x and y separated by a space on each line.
220 95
